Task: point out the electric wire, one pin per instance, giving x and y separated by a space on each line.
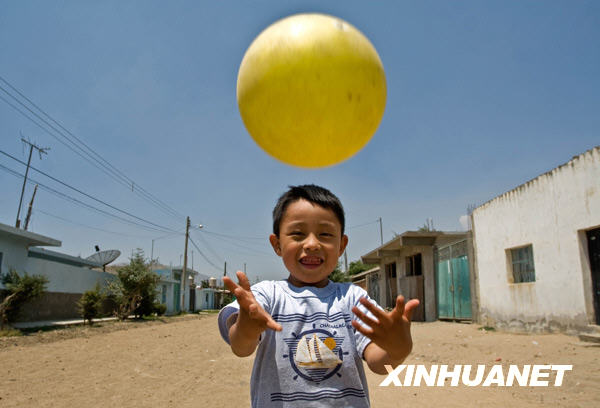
227 240
81 203
86 226
204 256
206 244
84 193
106 167
362 225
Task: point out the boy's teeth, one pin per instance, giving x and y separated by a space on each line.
311 261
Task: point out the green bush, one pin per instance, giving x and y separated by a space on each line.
21 289
160 309
135 289
90 304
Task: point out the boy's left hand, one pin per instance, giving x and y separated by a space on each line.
391 330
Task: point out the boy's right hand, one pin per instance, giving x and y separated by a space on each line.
252 319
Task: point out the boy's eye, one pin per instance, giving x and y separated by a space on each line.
296 233
326 234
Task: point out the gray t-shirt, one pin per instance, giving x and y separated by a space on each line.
316 360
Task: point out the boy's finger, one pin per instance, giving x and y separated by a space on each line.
272 324
231 285
377 312
243 280
399 309
410 307
365 331
364 317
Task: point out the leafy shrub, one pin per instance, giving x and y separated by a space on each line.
21 289
135 289
90 304
160 309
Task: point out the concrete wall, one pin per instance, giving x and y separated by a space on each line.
169 290
66 283
205 299
430 309
67 278
14 255
550 212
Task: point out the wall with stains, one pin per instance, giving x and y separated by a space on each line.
552 213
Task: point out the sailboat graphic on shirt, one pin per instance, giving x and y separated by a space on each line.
312 352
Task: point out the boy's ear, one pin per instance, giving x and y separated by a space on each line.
343 244
275 244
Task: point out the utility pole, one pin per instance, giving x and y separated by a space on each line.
30 207
225 269
183 285
345 262
381 230
41 150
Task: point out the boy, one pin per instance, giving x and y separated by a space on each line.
309 348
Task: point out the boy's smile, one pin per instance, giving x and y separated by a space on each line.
310 242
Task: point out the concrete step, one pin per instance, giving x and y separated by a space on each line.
590 337
593 328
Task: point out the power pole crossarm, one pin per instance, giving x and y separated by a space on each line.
41 150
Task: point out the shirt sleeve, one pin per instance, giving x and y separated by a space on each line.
362 341
227 315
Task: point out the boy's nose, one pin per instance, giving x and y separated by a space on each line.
312 242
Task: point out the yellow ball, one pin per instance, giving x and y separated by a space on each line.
311 90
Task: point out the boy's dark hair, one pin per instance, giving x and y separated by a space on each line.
311 193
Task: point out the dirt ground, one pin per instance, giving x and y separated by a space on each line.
182 362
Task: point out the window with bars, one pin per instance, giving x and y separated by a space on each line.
521 259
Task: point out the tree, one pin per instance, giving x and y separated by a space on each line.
134 290
21 289
358 267
338 275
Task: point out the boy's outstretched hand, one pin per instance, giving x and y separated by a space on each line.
389 332
252 319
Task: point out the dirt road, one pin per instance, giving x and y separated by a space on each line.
186 364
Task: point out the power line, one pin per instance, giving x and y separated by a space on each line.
210 249
109 169
85 194
81 203
87 226
227 240
204 256
231 236
362 225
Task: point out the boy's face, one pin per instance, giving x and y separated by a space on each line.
310 242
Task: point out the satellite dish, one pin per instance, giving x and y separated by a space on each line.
104 257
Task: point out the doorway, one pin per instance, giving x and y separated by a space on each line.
593 241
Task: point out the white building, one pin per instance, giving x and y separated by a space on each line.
68 276
537 250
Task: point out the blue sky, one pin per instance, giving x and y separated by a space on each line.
482 96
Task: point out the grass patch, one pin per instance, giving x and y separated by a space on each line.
487 328
10 333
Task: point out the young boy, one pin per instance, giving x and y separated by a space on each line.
309 347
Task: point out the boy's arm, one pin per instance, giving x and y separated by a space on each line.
388 331
251 320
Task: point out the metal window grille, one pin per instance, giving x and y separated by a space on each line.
522 264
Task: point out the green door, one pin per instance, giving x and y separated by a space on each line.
444 290
453 282
462 287
177 294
